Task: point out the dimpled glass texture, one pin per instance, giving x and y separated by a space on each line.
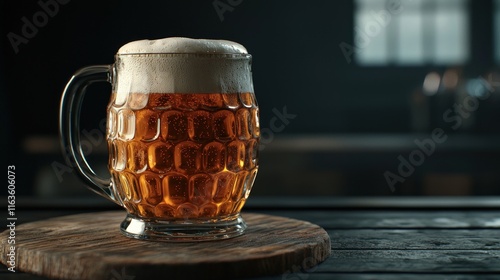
183 156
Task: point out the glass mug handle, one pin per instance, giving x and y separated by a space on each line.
69 126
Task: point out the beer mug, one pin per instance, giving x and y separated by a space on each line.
182 133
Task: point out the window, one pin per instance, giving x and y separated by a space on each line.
411 32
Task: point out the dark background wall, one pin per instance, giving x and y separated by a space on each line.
297 63
294 44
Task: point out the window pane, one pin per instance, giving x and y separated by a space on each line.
370 36
451 37
370 39
410 45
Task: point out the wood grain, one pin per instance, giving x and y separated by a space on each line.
90 246
413 261
376 219
420 239
387 276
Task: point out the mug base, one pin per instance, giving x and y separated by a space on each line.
182 231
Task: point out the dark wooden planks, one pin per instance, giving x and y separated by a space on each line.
413 261
386 244
419 239
377 219
382 276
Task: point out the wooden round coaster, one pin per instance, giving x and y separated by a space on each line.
90 246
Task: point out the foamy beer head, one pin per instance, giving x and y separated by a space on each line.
183 129
182 65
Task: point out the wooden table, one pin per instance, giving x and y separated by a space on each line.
372 238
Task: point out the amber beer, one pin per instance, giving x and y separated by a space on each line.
183 155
